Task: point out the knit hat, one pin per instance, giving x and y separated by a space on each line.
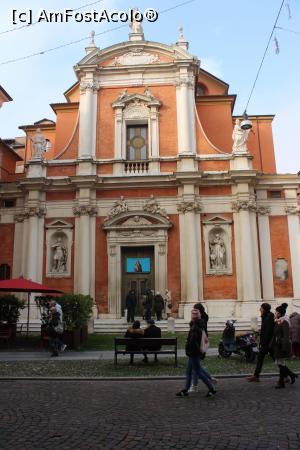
195 314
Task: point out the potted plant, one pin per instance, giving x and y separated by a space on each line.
77 309
10 310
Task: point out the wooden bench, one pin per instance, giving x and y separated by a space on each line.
142 345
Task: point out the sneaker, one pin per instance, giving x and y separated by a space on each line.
211 393
182 393
63 348
193 388
254 378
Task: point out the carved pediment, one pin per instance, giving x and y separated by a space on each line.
58 224
217 220
136 220
133 101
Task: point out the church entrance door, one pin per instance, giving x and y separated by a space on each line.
137 274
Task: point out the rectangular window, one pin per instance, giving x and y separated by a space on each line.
8 203
137 142
275 194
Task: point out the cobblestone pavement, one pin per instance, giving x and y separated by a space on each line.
145 415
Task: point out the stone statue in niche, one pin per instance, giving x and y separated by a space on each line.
281 269
39 144
217 253
60 256
240 138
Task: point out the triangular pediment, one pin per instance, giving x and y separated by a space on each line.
137 220
59 224
136 100
217 220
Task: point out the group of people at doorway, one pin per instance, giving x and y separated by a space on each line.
153 305
279 337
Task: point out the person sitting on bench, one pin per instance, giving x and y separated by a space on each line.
134 332
152 331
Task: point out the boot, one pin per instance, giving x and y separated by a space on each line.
280 383
289 373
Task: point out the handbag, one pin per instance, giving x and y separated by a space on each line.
204 342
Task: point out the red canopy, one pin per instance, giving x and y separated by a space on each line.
23 285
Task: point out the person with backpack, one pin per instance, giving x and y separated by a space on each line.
55 330
194 351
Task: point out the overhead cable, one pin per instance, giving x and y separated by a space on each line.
264 55
43 52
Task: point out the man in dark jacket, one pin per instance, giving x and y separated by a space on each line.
130 303
266 335
152 331
159 305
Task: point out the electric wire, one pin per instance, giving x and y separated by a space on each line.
264 55
27 25
288 29
110 30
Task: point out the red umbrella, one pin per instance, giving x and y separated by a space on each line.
23 285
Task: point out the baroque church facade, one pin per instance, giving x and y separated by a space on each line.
147 180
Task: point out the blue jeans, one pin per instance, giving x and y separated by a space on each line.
195 376
194 366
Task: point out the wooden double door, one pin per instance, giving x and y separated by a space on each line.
137 274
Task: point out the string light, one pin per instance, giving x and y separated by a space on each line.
43 52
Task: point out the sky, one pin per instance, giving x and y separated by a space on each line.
229 37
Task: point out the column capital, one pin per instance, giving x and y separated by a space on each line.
90 85
38 211
292 209
263 210
189 206
244 205
20 217
85 210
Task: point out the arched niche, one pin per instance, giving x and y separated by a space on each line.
217 239
59 241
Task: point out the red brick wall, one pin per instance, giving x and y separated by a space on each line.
7 233
280 248
137 192
174 263
101 268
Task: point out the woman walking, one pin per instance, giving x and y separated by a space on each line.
193 351
282 345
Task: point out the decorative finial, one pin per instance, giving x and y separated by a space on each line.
91 45
181 36
182 42
92 37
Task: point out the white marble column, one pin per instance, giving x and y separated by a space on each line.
84 263
34 257
185 116
265 253
191 257
88 118
247 255
154 125
294 239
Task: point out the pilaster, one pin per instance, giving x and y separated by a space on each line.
292 210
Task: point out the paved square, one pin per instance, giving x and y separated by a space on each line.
145 415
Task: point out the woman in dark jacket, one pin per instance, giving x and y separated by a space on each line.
282 345
203 314
193 351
